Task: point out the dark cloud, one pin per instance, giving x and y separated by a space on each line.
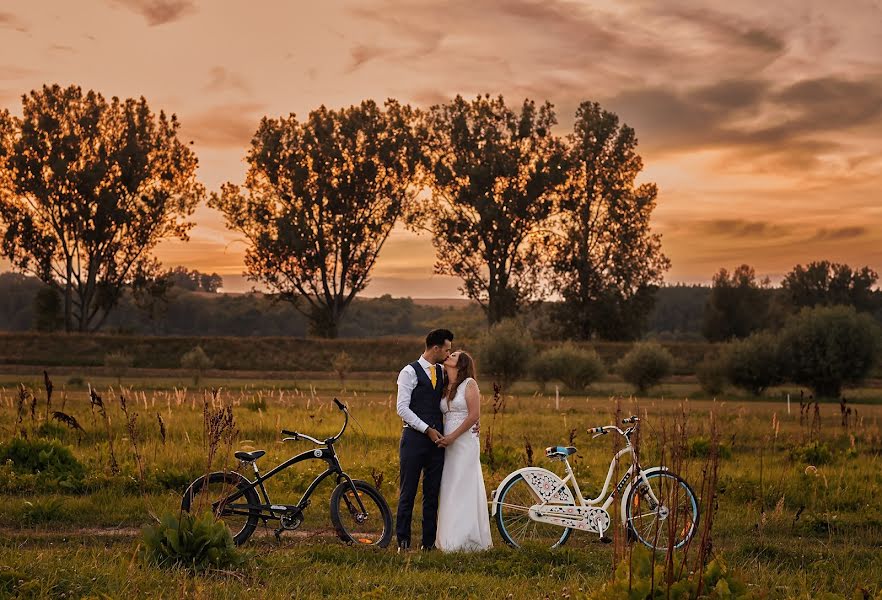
726 29
223 126
738 228
11 21
838 234
160 12
222 79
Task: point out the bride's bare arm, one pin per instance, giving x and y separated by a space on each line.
473 401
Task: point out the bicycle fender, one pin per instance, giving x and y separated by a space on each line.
546 484
627 490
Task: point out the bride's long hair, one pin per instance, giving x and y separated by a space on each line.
465 368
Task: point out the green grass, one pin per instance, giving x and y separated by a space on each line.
56 541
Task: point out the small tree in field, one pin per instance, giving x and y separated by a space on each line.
504 351
577 368
645 365
119 363
342 364
754 363
197 361
827 347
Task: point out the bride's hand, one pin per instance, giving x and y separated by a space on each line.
442 442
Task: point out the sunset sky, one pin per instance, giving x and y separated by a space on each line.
761 122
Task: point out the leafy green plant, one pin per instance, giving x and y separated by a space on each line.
43 510
643 578
645 365
49 460
577 368
813 453
197 542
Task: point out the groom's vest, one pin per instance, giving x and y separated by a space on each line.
425 401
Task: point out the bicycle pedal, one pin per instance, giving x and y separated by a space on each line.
606 539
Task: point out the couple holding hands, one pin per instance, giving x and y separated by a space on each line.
440 404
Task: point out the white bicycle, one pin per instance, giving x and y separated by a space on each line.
533 505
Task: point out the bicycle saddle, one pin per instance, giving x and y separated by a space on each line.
559 451
249 456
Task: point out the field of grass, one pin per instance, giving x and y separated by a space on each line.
798 509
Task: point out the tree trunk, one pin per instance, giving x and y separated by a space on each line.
67 298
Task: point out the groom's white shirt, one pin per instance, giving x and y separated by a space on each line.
407 381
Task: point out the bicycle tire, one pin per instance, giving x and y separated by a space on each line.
242 529
515 522
651 535
351 525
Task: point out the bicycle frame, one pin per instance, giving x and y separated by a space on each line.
559 495
268 510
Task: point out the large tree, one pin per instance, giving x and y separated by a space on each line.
492 172
605 259
823 283
319 201
89 187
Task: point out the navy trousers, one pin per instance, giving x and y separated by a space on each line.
418 455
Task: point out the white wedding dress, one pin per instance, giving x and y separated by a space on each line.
463 518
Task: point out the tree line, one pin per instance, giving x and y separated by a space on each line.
89 187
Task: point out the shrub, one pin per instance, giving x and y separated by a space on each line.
824 348
577 368
39 465
45 510
504 352
187 540
196 361
711 373
754 363
813 453
119 363
645 365
75 380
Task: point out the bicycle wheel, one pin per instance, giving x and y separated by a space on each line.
207 490
672 521
371 527
514 522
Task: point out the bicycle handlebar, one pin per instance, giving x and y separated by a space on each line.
631 419
297 435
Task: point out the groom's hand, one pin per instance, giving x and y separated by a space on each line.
433 434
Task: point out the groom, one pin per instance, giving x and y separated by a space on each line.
420 385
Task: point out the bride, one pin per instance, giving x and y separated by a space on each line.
463 520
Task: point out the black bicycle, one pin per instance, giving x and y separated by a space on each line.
359 512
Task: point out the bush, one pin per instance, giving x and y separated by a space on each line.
645 365
813 453
42 511
196 361
187 540
577 368
827 347
504 352
711 373
754 363
52 464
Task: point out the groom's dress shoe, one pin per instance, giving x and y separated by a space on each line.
428 548
403 546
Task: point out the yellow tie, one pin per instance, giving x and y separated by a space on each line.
434 377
